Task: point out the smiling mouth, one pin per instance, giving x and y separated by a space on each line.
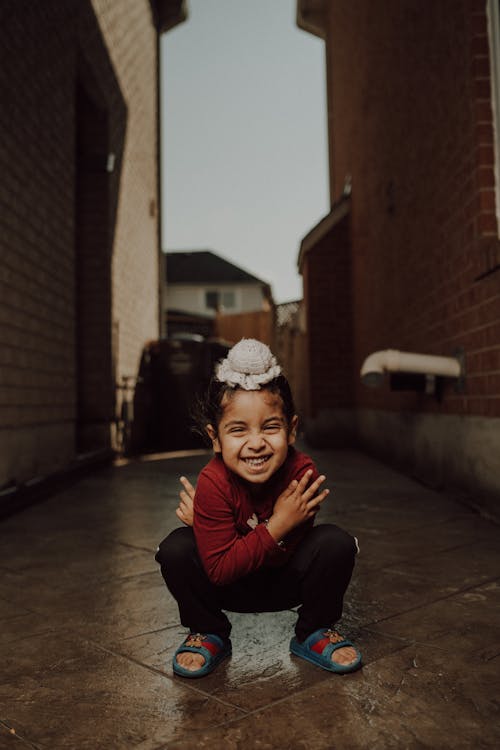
256 463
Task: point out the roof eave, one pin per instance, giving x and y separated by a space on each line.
339 211
311 17
169 13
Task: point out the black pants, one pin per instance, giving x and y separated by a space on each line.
316 577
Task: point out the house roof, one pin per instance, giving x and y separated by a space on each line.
204 266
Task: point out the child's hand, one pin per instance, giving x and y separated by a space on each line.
295 505
185 509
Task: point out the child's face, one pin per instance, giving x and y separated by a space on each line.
253 434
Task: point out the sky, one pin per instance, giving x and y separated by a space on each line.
244 140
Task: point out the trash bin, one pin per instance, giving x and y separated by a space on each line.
173 372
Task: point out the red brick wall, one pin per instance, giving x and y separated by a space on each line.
411 122
327 298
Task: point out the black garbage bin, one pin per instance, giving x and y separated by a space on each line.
173 372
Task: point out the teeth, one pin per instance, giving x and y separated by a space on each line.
256 461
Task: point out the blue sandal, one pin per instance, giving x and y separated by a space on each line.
211 647
319 647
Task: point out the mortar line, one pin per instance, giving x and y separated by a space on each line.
432 601
159 672
20 737
247 714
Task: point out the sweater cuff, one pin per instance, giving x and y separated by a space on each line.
270 544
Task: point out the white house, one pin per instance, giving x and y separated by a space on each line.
202 283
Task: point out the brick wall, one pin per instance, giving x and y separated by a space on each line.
327 299
131 40
78 244
37 374
410 129
328 384
411 122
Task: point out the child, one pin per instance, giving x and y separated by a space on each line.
252 546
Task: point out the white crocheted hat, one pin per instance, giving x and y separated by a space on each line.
249 364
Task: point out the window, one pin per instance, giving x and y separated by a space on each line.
228 300
212 300
217 300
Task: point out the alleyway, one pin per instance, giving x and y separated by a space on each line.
87 627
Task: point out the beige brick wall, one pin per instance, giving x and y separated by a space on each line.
46 232
131 40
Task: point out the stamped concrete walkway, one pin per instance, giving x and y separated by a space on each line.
87 627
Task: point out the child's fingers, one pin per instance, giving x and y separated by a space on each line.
309 492
315 502
187 486
289 490
188 499
185 515
304 481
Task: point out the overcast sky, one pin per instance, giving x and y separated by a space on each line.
244 136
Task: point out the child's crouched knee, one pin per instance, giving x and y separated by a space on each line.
176 548
335 544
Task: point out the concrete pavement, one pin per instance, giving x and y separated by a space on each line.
87 627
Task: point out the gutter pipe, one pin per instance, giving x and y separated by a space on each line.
392 360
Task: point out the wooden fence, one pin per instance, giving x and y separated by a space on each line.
249 325
282 330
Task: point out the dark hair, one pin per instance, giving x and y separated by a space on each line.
208 409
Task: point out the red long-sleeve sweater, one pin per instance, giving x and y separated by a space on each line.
229 542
